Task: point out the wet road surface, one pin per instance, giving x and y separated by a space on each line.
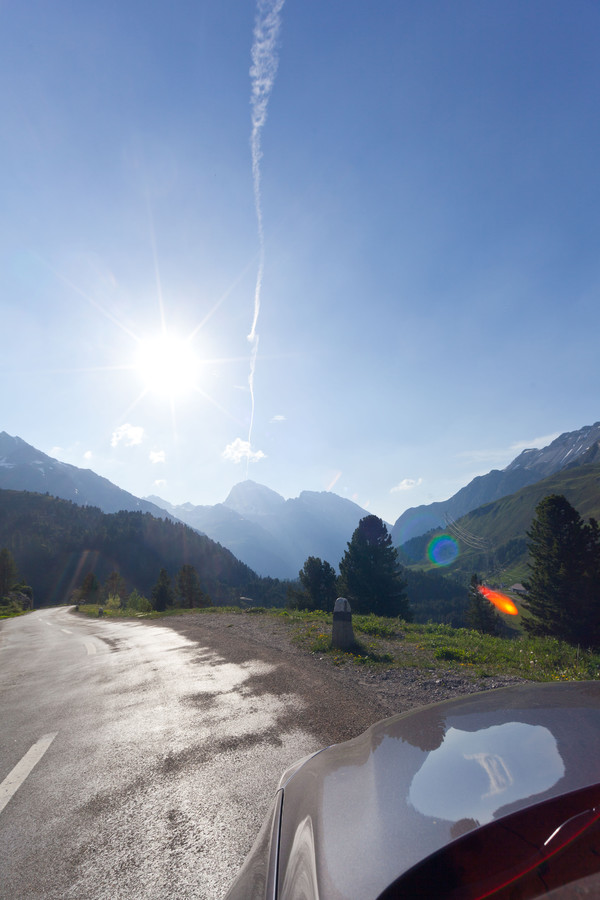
144 762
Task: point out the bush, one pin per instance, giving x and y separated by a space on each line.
138 603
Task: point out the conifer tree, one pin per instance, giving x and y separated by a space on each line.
90 588
8 572
563 591
370 576
188 590
162 592
480 614
319 582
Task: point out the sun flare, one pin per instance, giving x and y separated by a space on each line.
167 365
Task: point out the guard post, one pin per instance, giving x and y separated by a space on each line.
342 636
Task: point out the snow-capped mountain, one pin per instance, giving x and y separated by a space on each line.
272 535
275 536
571 448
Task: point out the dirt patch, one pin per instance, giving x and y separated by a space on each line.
338 702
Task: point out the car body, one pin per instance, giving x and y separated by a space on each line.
493 794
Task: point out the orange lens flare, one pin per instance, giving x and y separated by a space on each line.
499 600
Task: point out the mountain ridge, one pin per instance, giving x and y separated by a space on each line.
272 535
275 536
530 466
25 468
493 537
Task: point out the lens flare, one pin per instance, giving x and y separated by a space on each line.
442 550
501 601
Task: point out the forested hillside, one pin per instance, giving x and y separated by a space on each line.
55 543
492 539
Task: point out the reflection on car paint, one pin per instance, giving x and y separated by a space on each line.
472 775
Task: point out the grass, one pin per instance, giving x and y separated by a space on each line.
391 643
11 609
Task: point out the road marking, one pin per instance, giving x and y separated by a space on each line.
66 631
90 647
15 779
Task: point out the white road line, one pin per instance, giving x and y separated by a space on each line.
15 779
90 647
66 631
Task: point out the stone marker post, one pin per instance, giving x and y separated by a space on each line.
342 636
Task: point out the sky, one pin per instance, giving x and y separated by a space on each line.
324 246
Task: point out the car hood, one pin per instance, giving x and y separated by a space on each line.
359 814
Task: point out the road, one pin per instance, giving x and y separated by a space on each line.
134 762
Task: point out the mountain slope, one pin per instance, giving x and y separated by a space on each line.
23 468
55 543
272 535
492 538
528 468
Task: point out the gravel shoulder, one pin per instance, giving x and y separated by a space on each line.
339 702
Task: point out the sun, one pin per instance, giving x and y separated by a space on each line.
167 365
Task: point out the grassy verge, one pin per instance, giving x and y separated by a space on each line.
390 643
7 612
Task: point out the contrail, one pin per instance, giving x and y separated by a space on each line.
262 72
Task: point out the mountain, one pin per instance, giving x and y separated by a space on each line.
529 467
55 543
23 468
493 538
272 535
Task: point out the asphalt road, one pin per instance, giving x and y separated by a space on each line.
134 762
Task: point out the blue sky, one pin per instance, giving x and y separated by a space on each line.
426 281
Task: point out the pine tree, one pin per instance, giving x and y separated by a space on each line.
8 572
480 614
90 588
162 592
187 587
563 591
370 575
115 590
319 582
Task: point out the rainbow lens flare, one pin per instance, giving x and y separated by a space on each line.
442 550
501 601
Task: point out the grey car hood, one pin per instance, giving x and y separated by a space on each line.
359 814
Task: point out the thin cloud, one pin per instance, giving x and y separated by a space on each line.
131 435
88 455
278 419
407 484
262 73
240 450
535 443
157 456
500 456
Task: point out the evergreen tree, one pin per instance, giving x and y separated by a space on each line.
563 591
8 572
480 614
90 588
162 592
116 589
370 575
319 583
187 588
